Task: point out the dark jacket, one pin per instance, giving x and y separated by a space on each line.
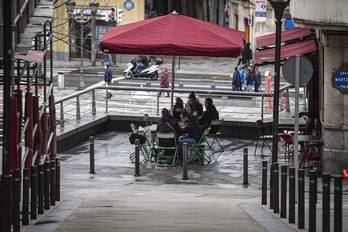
108 75
192 129
196 106
178 108
144 60
208 115
162 126
250 78
248 54
236 79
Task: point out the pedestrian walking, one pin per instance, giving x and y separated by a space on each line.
242 71
107 59
236 79
249 80
248 54
164 81
107 79
258 79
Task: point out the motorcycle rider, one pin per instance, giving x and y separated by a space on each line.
142 62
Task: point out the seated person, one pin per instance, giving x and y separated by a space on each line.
208 115
178 108
193 105
192 130
167 124
142 62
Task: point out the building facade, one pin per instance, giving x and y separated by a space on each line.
330 21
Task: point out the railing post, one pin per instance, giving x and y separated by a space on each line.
245 165
25 205
262 106
47 185
16 199
61 120
57 180
78 111
40 190
94 107
287 101
53 182
106 99
158 97
276 187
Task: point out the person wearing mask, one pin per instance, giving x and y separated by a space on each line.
192 131
209 114
142 62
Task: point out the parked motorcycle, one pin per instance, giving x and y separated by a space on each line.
150 71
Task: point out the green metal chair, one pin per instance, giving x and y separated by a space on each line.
145 148
147 120
197 149
214 143
167 156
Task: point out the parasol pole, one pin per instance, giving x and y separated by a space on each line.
172 87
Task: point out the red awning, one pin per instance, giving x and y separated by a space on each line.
300 48
267 40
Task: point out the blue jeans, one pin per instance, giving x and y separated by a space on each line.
185 140
249 88
108 59
140 65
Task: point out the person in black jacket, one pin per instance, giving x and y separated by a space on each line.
248 54
168 124
192 130
208 115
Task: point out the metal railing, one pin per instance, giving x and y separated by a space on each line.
244 106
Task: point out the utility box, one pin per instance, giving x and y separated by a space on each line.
61 80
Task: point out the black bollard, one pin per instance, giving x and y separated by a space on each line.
326 178
271 200
245 164
292 192
137 158
283 190
25 203
184 161
91 155
53 182
338 203
264 183
57 179
16 199
275 188
40 190
5 203
47 185
33 192
301 199
312 201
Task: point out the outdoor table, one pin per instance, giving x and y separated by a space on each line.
289 124
303 139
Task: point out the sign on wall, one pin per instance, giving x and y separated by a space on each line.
340 80
260 11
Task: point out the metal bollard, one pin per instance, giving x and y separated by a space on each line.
326 178
5 203
292 192
57 179
338 203
271 200
91 155
33 192
53 182
47 185
283 190
184 161
264 183
25 204
301 199
312 200
276 188
16 199
137 158
40 189
245 165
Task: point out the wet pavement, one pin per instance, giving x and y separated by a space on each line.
213 199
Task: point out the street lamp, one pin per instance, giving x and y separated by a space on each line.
278 6
70 6
94 5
